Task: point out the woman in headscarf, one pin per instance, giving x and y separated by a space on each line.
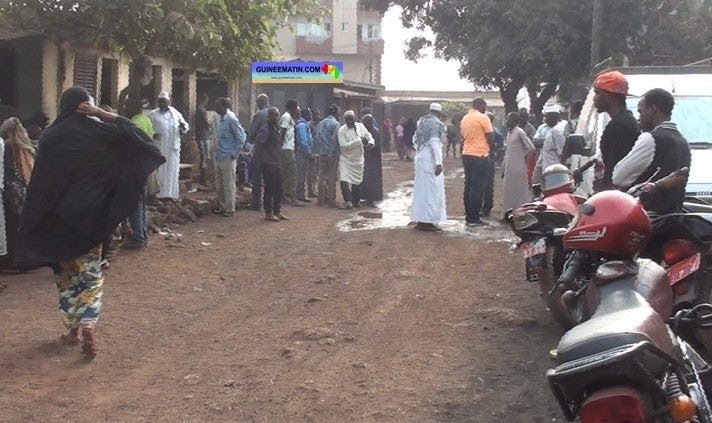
372 185
18 161
90 171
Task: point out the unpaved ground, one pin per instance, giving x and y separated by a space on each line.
247 320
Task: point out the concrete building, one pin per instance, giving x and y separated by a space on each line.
35 70
341 30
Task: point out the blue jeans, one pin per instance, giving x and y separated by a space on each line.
139 222
477 173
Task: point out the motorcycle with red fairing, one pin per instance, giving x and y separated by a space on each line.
540 226
623 362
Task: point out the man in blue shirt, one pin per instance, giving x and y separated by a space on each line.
230 139
326 146
303 150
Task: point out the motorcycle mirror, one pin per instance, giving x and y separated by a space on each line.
587 209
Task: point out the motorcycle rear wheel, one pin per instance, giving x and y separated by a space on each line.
554 263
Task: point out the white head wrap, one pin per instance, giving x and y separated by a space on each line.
164 95
350 113
552 108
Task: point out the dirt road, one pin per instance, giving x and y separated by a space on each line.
252 321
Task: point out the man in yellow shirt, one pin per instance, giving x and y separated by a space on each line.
477 139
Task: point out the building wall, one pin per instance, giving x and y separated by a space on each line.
50 89
362 58
320 96
287 42
54 67
344 21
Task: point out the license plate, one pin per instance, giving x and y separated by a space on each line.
683 269
534 248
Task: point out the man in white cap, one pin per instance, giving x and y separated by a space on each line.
428 206
353 137
169 125
550 138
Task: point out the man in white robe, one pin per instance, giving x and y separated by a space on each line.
169 125
428 206
353 137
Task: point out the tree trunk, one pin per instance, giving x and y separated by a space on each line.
538 98
599 9
508 93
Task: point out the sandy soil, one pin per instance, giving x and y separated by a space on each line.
252 321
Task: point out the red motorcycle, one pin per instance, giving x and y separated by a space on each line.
623 362
540 226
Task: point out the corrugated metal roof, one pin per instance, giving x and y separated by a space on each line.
7 33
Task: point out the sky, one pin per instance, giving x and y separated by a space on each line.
428 74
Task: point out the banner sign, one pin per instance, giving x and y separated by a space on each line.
297 72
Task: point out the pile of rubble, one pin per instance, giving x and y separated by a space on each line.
171 213
178 213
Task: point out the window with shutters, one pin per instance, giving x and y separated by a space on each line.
85 72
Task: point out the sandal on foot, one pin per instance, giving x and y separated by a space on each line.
89 348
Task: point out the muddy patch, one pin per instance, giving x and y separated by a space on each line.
394 213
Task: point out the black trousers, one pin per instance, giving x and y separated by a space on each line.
256 175
351 193
477 172
272 180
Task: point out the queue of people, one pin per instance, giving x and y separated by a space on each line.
315 155
627 155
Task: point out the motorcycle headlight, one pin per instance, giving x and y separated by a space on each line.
524 220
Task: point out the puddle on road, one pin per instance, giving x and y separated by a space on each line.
394 213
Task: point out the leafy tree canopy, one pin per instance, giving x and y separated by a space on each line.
224 35
510 44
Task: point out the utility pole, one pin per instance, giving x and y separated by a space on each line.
599 9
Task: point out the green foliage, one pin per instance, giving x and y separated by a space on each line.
224 35
454 110
510 44
673 32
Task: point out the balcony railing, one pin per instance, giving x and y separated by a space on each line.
374 47
314 45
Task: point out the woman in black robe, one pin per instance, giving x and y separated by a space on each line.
90 171
372 185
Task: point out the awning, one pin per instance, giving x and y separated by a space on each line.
342 93
7 33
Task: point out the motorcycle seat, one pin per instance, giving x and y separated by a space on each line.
623 317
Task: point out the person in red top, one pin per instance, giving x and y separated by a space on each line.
477 140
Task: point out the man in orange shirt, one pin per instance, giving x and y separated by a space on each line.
477 140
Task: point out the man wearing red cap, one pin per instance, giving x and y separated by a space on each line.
618 137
